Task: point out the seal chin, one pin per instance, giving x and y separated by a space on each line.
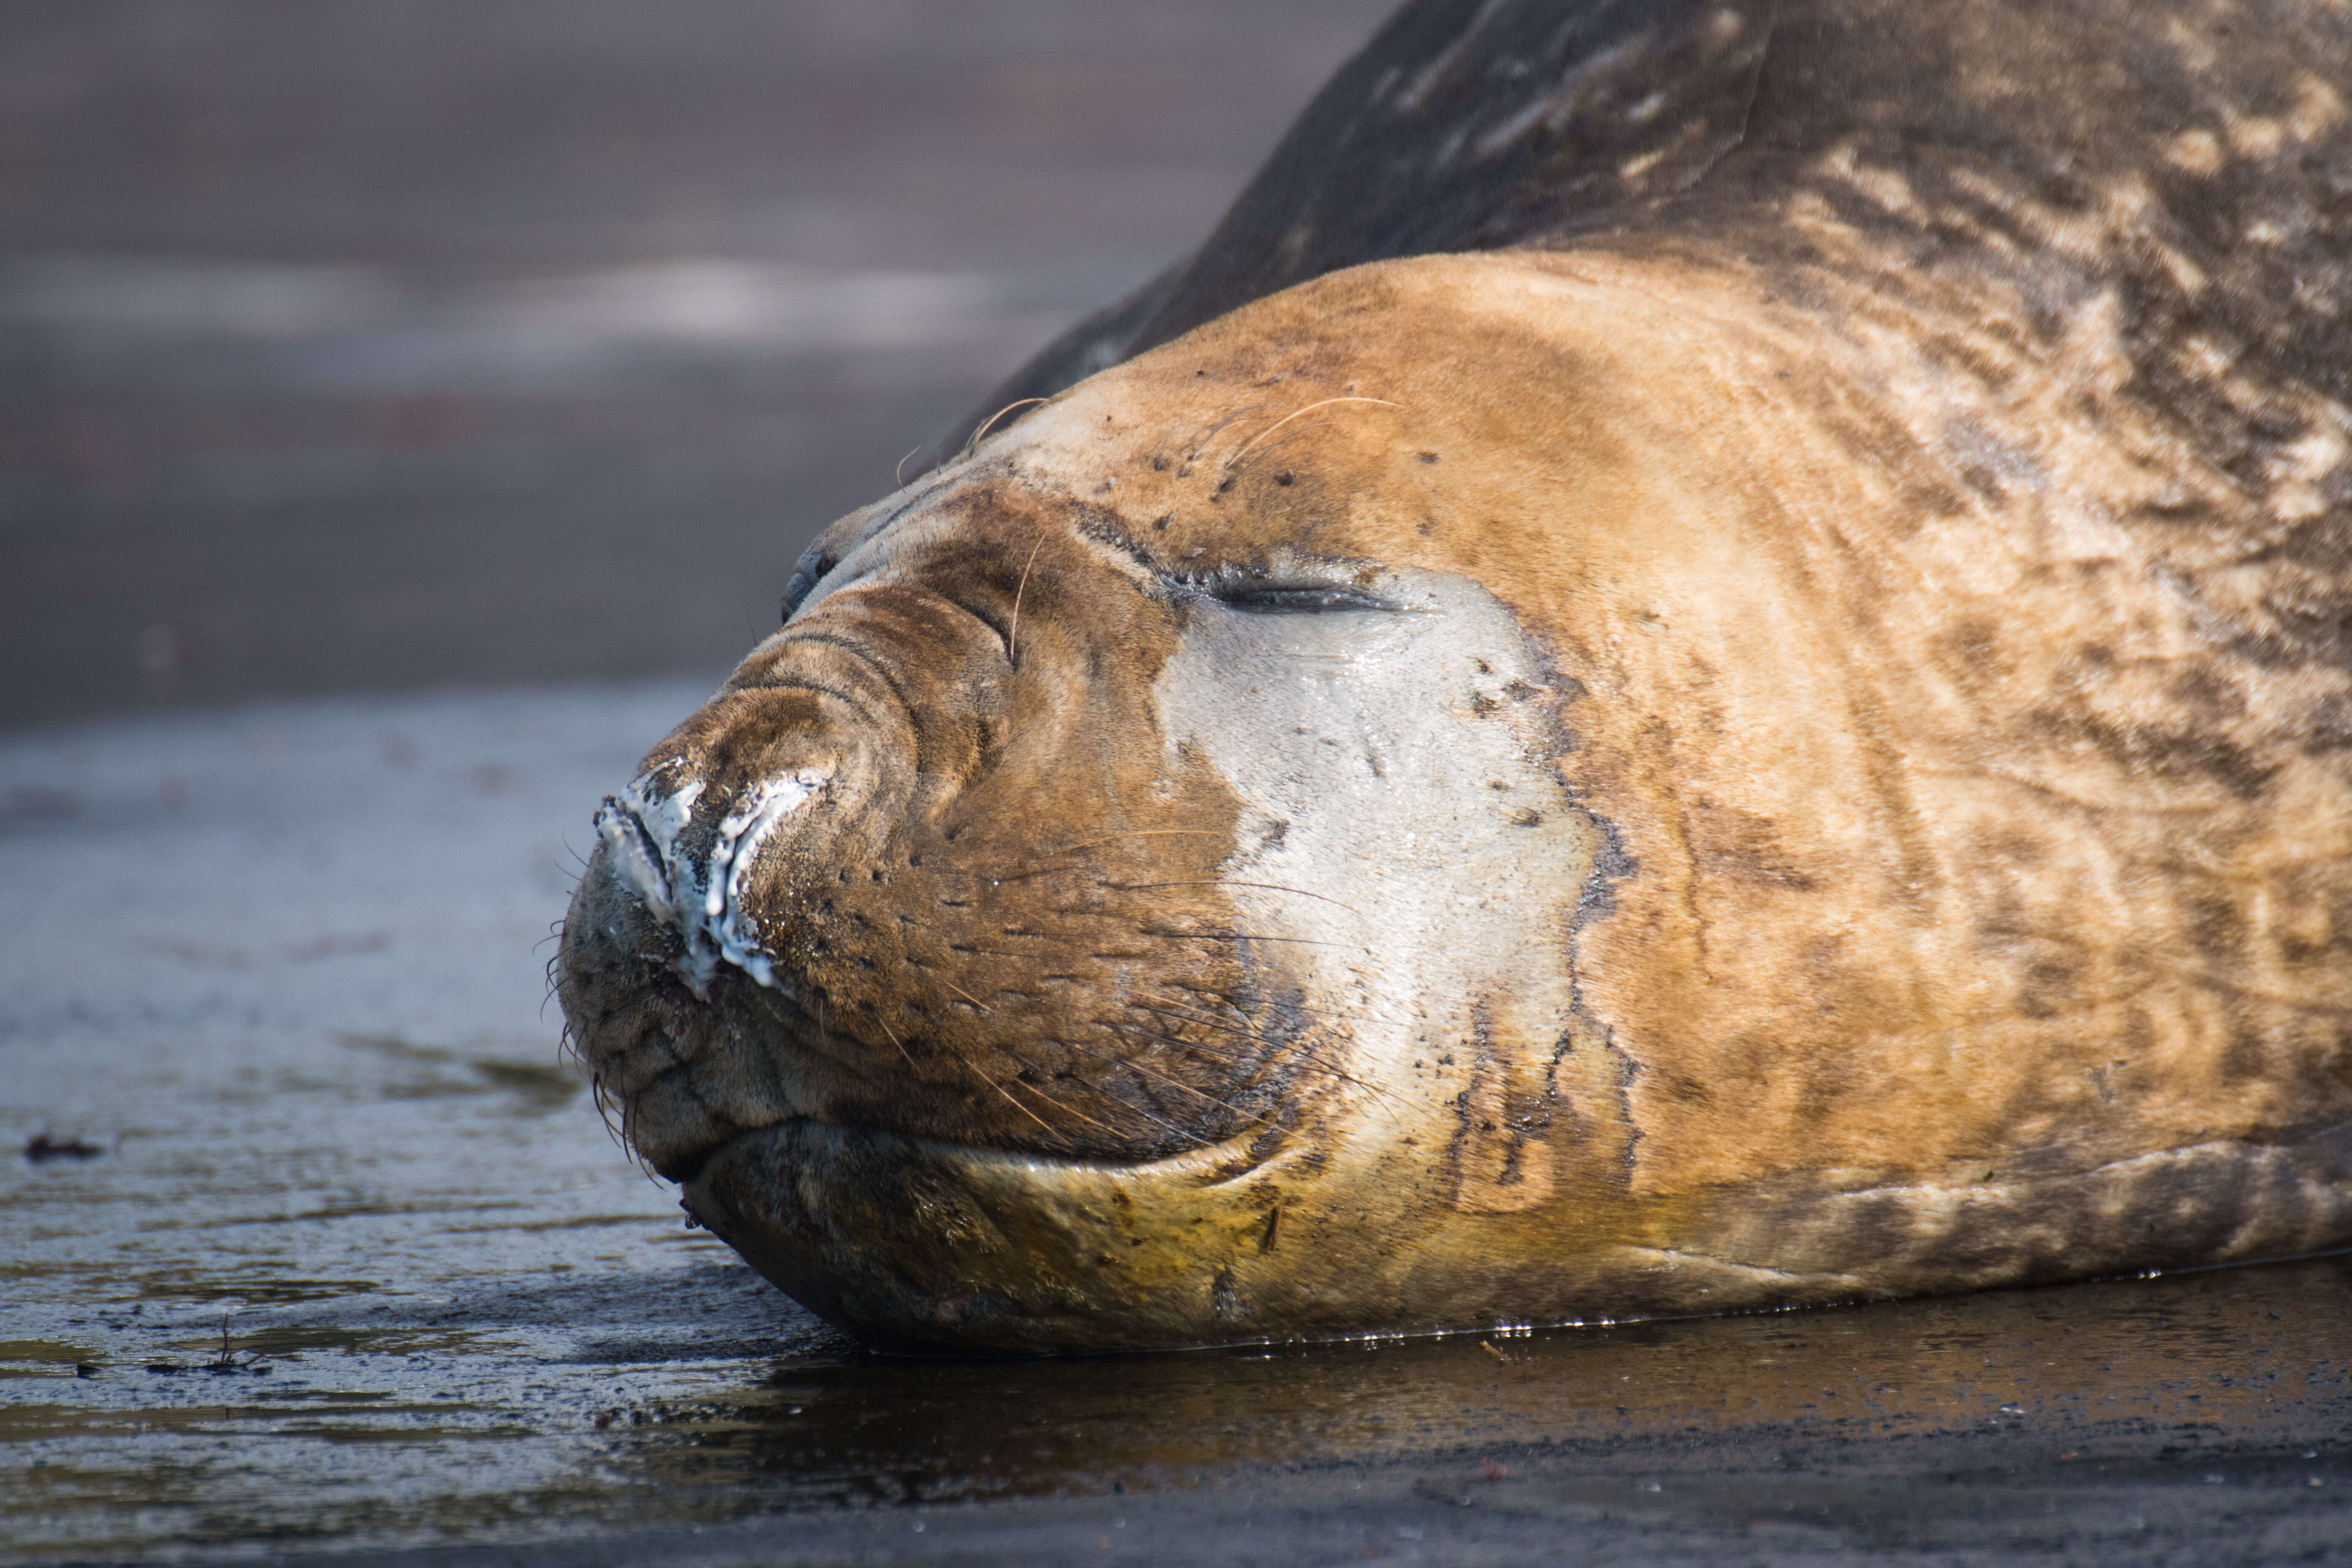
916 1244
701 897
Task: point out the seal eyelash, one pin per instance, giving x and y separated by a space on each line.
1264 594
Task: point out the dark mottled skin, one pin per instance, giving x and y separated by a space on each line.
1467 126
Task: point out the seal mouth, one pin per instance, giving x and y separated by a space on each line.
700 896
919 1245
1227 1160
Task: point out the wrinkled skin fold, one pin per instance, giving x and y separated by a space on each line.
1774 725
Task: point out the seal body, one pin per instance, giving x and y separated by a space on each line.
1704 660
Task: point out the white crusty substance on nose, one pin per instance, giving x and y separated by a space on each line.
703 901
639 828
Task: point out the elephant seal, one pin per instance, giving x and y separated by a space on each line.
1702 660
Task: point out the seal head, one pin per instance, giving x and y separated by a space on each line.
1015 950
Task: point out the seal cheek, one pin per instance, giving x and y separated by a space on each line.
1408 855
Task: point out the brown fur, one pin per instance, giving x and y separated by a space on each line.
1933 580
1965 826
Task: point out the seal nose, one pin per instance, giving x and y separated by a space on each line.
687 852
798 766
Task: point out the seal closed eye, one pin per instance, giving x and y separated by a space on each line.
1262 595
1699 661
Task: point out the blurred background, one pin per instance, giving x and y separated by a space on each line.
363 345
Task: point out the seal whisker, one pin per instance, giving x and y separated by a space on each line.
1161 1121
997 878
1285 440
1065 1106
894 1040
965 1062
1224 1105
1012 632
1312 1059
1228 882
1137 833
1168 1011
602 1099
972 444
1246 936
1169 1007
1302 1007
1036 868
1143 1066
622 1135
1294 413
1003 1092
555 984
1211 434
966 995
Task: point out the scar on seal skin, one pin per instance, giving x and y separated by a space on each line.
1702 659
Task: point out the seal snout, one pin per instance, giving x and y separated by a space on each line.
687 852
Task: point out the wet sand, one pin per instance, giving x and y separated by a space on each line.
356 1272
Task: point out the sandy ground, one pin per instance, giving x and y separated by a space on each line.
354 1269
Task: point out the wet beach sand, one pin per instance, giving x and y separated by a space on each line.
351 1270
